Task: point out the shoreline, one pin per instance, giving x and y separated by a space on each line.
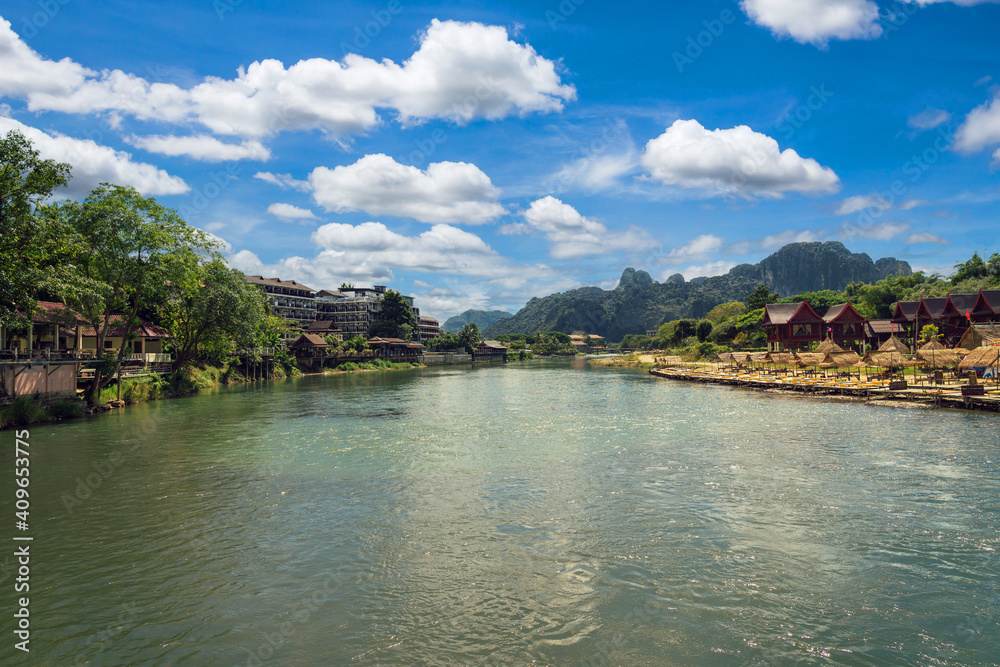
866 393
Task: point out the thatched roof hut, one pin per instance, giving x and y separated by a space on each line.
758 357
894 345
811 358
828 346
843 359
933 345
943 358
960 351
885 359
783 358
981 358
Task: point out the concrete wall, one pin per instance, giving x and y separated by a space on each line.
40 378
446 358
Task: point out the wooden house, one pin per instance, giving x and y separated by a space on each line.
845 325
490 350
791 326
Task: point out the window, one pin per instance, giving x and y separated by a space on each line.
801 330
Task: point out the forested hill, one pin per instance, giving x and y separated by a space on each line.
481 318
639 303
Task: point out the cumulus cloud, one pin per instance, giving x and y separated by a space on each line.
370 252
861 202
201 147
25 72
283 181
461 72
882 231
737 160
699 247
783 238
446 192
572 235
928 119
93 163
981 127
925 238
816 21
290 213
704 270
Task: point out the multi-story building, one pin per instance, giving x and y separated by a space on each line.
429 327
290 300
354 308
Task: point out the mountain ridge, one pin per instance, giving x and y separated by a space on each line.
639 303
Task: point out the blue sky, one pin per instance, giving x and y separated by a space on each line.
478 154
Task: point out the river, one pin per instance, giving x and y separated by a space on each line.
544 512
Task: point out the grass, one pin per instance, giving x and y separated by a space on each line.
25 411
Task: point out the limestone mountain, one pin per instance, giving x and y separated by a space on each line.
639 303
481 318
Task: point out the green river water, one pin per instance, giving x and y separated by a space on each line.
535 513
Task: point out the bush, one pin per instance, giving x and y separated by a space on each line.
68 409
24 411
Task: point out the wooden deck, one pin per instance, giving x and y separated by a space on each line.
872 389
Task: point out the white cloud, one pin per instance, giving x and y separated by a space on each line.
925 238
572 235
781 239
25 72
201 147
861 202
816 21
461 72
706 270
93 164
881 231
283 181
290 213
981 127
737 160
699 247
910 204
370 252
929 119
593 173
448 192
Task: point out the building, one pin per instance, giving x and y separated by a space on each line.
952 315
429 327
580 341
354 308
490 350
791 326
846 326
291 301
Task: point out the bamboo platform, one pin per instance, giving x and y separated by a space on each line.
873 390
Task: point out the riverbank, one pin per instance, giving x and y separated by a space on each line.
872 391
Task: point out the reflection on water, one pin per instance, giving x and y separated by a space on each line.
540 512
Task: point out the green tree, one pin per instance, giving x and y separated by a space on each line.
396 319
760 297
975 267
726 311
123 245
470 336
446 341
928 333
26 182
703 330
210 309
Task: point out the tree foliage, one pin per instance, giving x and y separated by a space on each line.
760 297
470 336
26 182
396 319
210 310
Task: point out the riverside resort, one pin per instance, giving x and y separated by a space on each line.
523 334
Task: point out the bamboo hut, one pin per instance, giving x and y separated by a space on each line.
983 360
781 358
894 345
844 359
885 359
828 346
939 358
811 358
724 358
